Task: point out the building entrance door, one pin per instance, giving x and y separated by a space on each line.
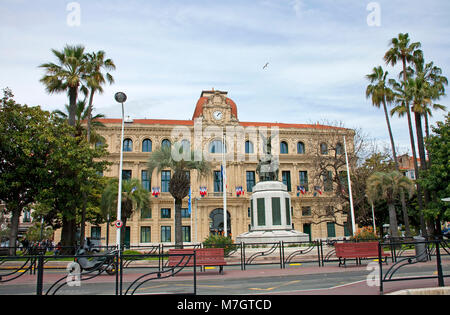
216 222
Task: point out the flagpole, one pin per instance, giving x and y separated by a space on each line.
350 190
224 189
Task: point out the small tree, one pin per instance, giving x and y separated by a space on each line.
134 197
387 186
179 183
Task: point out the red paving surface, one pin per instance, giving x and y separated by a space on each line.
355 288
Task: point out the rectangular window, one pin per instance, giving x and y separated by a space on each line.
261 208
186 231
165 179
251 180
346 230
145 180
304 179
331 230
166 233
276 211
145 234
218 187
286 175
328 181
146 212
185 213
126 174
96 232
165 213
306 211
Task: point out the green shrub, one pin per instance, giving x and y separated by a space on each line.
219 241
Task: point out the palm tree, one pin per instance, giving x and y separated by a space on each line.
94 138
381 94
179 184
402 50
66 75
134 198
95 79
81 116
428 86
387 186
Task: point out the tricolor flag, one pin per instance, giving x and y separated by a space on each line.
317 189
301 189
239 191
203 191
156 192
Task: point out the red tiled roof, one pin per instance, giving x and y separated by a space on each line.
149 121
244 124
295 126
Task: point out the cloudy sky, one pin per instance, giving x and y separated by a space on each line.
168 51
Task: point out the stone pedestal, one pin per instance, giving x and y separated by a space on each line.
270 211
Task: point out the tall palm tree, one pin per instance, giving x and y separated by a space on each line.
179 184
134 198
427 87
402 50
95 78
380 93
387 186
66 75
81 115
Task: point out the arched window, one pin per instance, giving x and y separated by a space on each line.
300 148
184 146
147 145
127 145
216 146
339 149
166 143
323 149
249 147
284 147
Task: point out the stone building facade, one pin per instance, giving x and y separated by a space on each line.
296 145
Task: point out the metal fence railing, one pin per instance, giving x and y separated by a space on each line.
152 262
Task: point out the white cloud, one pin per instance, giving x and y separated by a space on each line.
167 52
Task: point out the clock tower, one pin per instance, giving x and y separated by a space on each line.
216 108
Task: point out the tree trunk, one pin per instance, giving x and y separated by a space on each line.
423 163
68 241
393 225
402 192
14 229
89 120
413 148
83 220
73 95
178 224
88 138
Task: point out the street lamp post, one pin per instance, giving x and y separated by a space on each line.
120 98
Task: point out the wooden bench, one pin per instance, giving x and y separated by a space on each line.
358 251
203 257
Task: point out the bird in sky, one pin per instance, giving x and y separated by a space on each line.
265 66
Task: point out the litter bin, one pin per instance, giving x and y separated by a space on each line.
421 248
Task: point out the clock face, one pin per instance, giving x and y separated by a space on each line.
218 115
